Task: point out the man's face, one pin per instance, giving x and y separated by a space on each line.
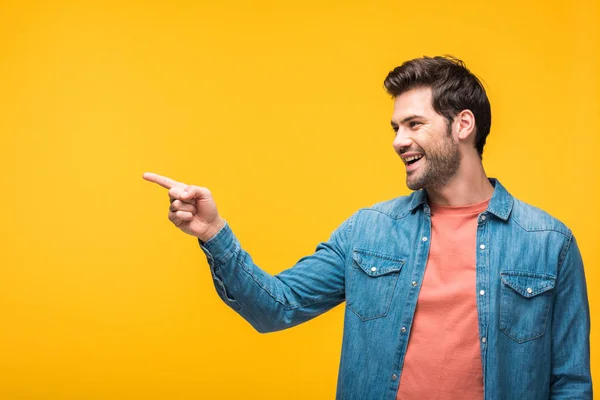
424 141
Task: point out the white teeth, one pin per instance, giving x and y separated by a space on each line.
409 159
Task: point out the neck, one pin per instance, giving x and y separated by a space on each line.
469 186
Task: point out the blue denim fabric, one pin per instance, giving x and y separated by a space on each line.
533 314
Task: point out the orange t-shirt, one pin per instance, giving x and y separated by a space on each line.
443 359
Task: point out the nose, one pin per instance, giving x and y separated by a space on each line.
402 140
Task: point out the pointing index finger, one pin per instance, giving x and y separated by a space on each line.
163 181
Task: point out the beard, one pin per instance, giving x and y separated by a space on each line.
440 166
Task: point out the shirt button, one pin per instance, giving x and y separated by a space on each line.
529 290
482 292
394 377
403 329
483 217
414 283
482 247
373 269
483 340
424 238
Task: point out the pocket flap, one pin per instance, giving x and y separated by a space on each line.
528 284
375 264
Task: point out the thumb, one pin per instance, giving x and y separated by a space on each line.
195 192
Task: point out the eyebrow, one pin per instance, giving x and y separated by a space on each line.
405 120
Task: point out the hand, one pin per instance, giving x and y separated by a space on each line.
192 210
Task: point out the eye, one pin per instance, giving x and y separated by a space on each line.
395 129
414 124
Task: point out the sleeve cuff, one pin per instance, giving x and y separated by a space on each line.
221 246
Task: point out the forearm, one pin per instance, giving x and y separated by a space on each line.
271 303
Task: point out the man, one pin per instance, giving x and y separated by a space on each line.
458 291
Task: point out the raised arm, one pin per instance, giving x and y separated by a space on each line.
269 303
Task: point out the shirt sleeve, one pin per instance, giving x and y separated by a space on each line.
275 302
571 378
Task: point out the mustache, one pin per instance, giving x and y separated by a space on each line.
415 149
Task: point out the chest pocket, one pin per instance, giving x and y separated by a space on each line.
371 282
525 300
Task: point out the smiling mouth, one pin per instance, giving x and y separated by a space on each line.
412 160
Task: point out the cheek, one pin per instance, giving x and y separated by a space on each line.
429 129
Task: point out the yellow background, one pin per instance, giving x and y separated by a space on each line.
278 108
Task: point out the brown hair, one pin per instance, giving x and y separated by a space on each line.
454 88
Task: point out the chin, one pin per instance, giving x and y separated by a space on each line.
412 185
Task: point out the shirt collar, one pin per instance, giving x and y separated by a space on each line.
500 204
418 198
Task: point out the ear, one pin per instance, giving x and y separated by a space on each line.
465 124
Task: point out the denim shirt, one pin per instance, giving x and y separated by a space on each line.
531 296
